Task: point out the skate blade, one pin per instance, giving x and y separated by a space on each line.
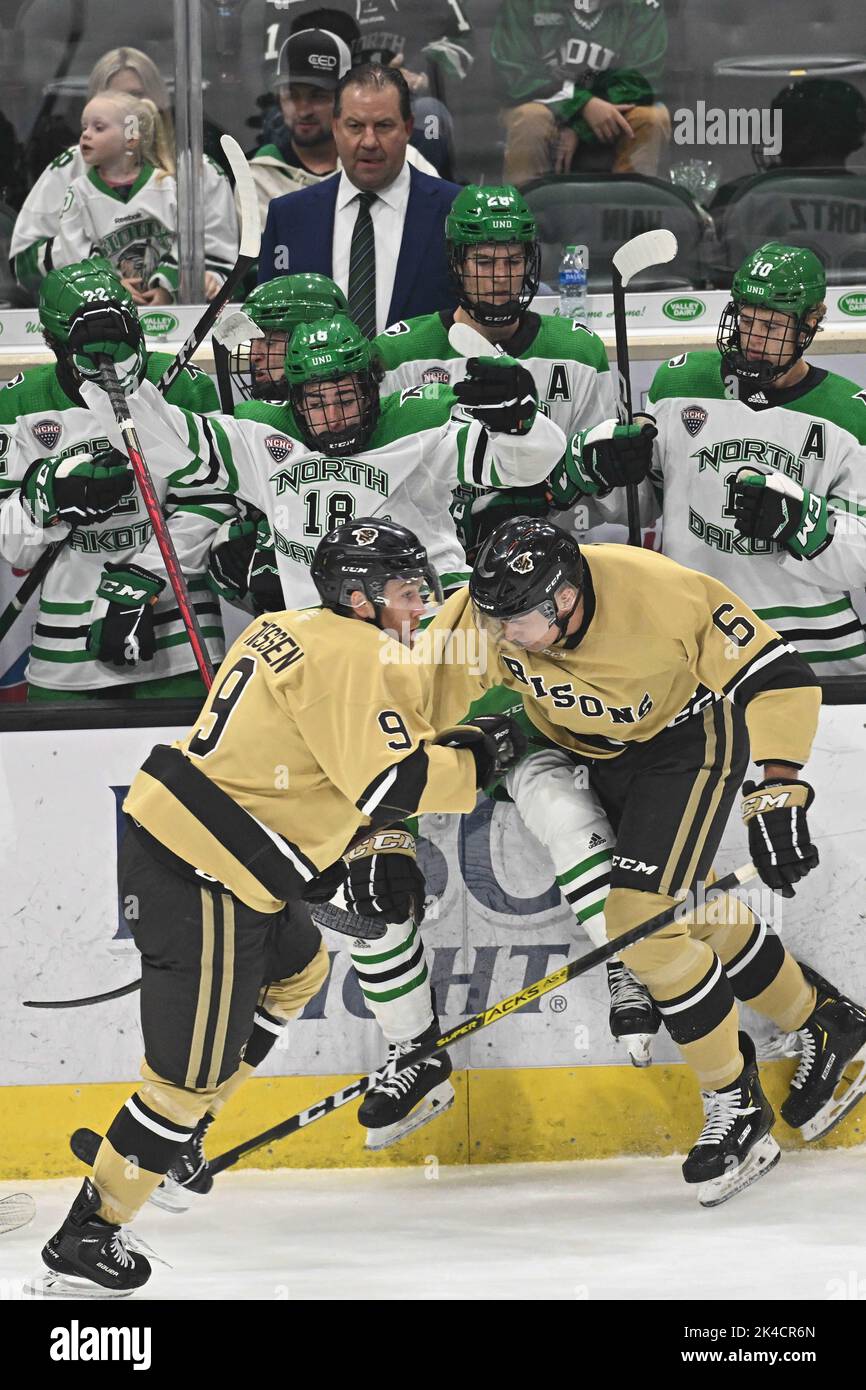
837 1107
16 1211
763 1157
640 1048
436 1102
170 1196
52 1285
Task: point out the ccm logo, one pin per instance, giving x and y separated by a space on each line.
322 60
637 865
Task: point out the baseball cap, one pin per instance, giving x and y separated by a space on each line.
314 56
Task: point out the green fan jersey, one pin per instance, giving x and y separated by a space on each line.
813 433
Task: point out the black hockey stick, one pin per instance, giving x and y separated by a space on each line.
85 1142
19 600
87 999
650 248
248 251
326 915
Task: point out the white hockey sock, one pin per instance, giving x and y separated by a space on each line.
394 975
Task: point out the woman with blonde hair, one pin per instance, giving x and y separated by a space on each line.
129 71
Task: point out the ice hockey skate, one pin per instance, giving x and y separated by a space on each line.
411 1097
735 1146
634 1018
832 1049
189 1176
89 1257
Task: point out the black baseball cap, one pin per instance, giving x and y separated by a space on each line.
314 56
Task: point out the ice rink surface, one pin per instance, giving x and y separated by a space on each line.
614 1229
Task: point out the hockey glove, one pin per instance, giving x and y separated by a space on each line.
266 587
83 490
607 456
231 558
771 507
500 393
124 635
496 741
384 879
779 843
323 887
476 513
107 329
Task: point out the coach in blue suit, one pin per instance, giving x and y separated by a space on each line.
377 227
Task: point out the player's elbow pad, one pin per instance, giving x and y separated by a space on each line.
396 792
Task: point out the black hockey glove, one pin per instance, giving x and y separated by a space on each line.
611 455
323 887
107 329
266 587
476 513
124 635
496 741
769 507
84 490
779 843
384 879
231 558
500 393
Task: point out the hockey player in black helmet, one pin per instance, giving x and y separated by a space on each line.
607 658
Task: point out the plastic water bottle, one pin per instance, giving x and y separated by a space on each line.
572 282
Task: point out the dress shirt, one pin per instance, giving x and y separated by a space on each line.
388 213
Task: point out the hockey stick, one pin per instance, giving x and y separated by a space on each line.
84 1142
327 915
33 580
114 391
650 248
468 342
82 1003
15 1211
250 240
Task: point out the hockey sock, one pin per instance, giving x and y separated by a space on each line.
393 974
139 1147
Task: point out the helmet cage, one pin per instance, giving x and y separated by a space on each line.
465 282
759 372
260 376
357 416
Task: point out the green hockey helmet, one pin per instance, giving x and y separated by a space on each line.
73 287
495 287
276 308
333 379
788 280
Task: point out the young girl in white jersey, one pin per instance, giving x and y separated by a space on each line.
125 206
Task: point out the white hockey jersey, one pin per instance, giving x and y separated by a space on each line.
38 221
814 433
416 455
193 493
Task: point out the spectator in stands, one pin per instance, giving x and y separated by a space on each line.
120 70
823 122
581 76
304 151
378 227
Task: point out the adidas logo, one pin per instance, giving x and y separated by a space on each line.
595 841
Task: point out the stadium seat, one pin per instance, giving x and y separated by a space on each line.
825 211
603 211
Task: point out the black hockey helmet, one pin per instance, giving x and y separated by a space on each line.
520 569
364 554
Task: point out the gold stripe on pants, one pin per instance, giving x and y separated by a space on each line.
684 880
225 1000
205 985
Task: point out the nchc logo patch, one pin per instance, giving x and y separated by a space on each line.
694 417
279 447
439 375
48 433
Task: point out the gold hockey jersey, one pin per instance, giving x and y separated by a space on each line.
657 643
314 728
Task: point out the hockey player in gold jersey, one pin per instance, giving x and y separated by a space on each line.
656 679
314 730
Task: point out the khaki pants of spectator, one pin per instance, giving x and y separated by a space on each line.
532 136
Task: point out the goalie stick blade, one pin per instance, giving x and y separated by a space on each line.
650 248
250 224
85 1143
16 1211
468 342
347 923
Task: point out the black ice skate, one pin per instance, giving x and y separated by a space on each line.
89 1257
832 1048
189 1176
634 1018
735 1146
410 1098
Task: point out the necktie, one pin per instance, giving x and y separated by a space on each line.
362 269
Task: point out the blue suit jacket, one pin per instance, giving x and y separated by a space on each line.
303 222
